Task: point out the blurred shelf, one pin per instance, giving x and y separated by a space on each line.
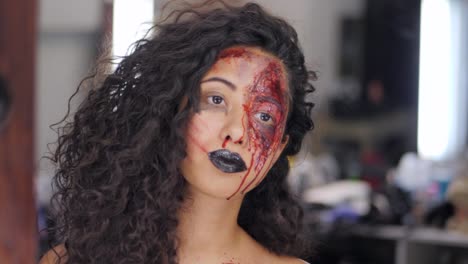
381 232
416 245
420 235
365 131
439 237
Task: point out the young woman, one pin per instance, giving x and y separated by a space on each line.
180 155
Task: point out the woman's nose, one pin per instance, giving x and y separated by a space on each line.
234 131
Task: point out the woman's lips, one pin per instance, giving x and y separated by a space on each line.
227 161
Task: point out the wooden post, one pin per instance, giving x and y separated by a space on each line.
18 235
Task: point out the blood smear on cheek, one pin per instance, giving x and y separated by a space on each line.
193 140
197 126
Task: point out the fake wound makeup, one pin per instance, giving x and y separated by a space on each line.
265 109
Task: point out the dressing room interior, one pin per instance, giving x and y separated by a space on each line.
382 177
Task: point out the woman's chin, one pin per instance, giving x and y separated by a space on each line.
222 192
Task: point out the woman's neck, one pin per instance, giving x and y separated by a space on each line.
208 225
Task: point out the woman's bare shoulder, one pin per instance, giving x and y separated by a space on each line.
291 260
54 256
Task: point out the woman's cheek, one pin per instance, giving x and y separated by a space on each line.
202 128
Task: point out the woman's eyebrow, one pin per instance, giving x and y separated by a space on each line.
269 99
218 79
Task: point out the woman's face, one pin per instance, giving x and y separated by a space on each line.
238 134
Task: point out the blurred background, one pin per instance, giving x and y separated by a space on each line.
383 176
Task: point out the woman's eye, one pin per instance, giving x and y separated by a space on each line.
265 118
215 99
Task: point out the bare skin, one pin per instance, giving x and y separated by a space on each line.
51 256
209 234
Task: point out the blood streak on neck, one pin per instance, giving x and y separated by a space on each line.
243 179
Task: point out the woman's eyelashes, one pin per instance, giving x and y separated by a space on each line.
265 118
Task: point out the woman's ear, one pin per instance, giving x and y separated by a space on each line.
281 147
284 142
183 104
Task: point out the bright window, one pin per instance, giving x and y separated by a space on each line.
442 81
131 21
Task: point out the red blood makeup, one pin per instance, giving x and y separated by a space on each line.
265 110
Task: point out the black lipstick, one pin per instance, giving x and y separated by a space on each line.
227 161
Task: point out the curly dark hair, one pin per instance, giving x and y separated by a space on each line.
118 184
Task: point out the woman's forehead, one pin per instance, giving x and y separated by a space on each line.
248 64
248 52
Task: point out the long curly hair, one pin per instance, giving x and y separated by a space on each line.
118 184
